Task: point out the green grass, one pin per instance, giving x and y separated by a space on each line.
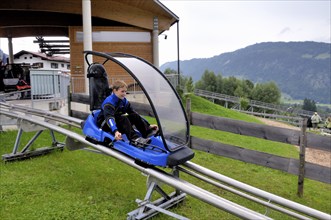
204 106
84 185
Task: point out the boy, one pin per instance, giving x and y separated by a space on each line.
117 116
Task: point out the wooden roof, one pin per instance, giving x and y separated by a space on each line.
23 18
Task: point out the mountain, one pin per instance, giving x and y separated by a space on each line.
300 69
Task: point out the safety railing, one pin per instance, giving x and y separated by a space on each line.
49 85
257 104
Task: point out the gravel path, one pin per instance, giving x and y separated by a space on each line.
320 157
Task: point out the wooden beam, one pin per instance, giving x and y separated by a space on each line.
33 31
39 18
70 6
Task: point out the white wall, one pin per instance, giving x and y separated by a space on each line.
30 59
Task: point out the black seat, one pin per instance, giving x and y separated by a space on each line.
98 85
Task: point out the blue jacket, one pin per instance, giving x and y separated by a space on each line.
111 107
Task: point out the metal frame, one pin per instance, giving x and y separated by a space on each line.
26 153
147 208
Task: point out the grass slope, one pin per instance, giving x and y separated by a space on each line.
201 105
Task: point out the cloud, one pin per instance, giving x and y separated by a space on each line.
285 31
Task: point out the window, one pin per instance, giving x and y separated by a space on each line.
62 65
68 66
116 36
38 65
54 65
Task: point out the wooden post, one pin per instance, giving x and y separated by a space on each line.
303 145
189 116
188 110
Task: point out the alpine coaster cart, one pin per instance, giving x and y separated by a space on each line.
168 146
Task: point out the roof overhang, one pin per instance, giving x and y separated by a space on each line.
23 18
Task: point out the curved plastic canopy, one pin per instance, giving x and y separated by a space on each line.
165 102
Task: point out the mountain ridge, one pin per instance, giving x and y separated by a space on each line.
300 69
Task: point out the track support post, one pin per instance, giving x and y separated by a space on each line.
26 152
147 208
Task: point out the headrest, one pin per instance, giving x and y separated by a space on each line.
96 70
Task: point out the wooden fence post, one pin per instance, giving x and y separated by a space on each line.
189 116
188 110
303 144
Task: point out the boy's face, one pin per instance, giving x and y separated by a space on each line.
120 93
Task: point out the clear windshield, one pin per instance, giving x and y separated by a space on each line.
168 108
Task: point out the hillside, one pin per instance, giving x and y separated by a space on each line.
301 69
201 105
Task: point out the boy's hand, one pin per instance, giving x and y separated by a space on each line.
153 127
118 135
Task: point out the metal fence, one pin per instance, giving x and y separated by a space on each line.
255 106
48 85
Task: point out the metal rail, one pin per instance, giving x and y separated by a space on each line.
174 181
45 114
258 192
252 198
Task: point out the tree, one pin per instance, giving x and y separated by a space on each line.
207 82
244 103
183 81
267 92
170 71
247 86
309 105
230 85
189 85
219 83
239 92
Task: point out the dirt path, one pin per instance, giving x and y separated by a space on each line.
320 157
277 124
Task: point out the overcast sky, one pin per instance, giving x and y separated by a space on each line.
209 28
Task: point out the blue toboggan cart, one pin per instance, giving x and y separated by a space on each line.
168 146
